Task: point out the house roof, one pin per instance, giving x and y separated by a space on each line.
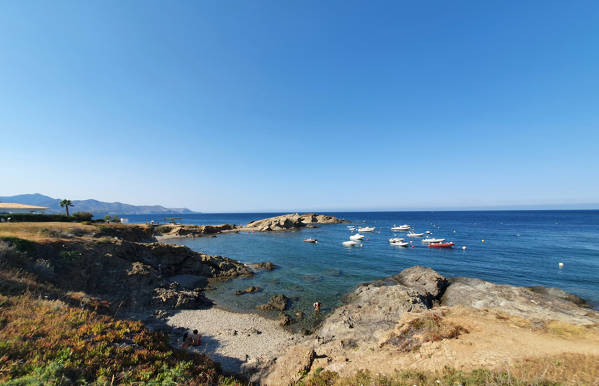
14 205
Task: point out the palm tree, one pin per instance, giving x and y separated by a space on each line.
65 204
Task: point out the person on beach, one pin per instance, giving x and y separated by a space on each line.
196 338
316 306
187 340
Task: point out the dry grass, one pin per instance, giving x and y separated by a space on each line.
422 328
563 369
566 330
40 231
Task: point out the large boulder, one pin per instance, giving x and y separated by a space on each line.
369 311
430 284
520 301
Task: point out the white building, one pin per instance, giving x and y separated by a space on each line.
12 208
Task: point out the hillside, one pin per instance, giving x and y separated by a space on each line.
91 205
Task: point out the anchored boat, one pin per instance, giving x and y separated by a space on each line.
428 241
366 229
441 245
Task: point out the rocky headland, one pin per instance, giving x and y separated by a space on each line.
421 320
286 222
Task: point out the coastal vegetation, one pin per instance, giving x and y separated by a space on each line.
28 217
51 342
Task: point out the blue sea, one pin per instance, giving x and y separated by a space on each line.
520 248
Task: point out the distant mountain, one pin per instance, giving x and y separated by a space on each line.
93 206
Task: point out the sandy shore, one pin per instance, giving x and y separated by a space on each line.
241 343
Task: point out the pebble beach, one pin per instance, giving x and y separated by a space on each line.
240 342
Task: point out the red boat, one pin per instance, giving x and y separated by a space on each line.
441 245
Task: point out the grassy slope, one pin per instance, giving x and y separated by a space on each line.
49 341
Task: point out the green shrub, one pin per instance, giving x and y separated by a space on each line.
83 216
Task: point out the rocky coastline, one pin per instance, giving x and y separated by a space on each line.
283 223
415 319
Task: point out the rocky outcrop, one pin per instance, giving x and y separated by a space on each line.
277 302
419 316
547 304
131 276
429 284
290 222
175 297
169 231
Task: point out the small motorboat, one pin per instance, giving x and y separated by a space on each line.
400 228
356 237
428 241
428 232
351 227
396 240
366 229
413 234
350 243
310 240
441 245
400 244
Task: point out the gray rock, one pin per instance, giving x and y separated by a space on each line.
520 301
430 284
277 302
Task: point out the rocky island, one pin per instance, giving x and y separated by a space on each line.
286 222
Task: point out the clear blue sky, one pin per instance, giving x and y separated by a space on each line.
303 105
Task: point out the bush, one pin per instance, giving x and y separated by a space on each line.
28 217
83 216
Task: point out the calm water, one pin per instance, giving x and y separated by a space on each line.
519 248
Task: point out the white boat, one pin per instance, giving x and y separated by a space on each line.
396 240
351 227
366 229
350 243
404 227
426 241
400 244
357 236
311 240
428 232
412 234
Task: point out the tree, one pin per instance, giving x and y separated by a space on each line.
65 204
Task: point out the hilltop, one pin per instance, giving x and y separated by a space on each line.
93 206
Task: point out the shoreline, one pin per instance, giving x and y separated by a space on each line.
243 343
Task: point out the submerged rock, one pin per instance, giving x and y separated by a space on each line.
248 290
265 266
277 302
